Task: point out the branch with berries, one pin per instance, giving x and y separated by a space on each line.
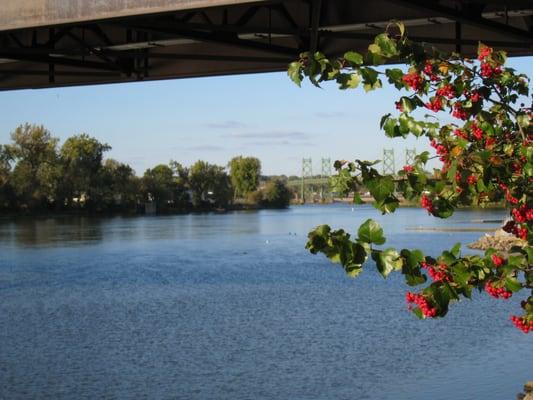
486 157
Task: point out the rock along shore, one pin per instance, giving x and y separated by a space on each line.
501 241
528 392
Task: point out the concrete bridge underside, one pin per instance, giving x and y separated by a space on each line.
47 43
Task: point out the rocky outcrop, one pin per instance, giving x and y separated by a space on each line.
528 392
501 241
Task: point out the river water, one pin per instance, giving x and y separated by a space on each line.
231 306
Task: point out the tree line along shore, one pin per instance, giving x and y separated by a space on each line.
38 175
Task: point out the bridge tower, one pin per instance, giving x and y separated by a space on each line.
389 167
307 173
326 168
410 155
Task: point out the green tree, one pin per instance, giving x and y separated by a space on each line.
7 196
276 194
35 175
181 180
158 185
81 161
244 173
119 185
209 184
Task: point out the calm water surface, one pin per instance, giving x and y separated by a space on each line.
232 307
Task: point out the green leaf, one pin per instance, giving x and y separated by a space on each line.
411 267
318 238
407 104
353 58
371 232
418 312
371 86
387 261
358 254
295 72
461 274
442 207
395 76
354 271
456 249
513 284
348 80
370 79
386 45
387 205
390 126
523 120
380 187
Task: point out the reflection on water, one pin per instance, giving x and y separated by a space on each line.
82 230
231 306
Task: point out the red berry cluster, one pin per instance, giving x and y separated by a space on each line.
429 71
489 142
426 203
484 52
474 97
477 132
422 303
460 133
434 105
442 150
446 91
522 214
508 196
515 229
413 80
408 168
497 292
497 260
437 273
472 180
458 112
488 71
522 324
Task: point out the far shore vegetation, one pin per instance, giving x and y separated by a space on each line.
38 175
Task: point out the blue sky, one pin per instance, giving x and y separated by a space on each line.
214 119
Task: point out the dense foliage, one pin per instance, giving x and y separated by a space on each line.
486 156
275 194
244 173
36 175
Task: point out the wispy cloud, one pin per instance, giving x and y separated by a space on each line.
278 143
269 135
329 114
230 124
204 147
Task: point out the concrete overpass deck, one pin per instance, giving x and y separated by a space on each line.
48 43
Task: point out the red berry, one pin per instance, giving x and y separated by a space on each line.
497 260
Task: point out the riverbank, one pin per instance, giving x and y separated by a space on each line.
239 206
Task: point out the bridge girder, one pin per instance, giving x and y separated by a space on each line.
47 43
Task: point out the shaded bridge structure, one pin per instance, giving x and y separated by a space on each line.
51 43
